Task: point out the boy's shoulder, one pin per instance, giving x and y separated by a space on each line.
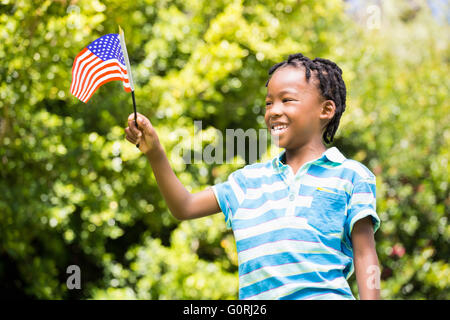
361 172
257 169
260 165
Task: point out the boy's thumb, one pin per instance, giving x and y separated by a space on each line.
143 125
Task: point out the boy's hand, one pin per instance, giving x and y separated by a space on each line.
145 135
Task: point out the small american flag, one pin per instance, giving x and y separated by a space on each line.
100 62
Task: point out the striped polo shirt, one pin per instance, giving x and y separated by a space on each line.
293 232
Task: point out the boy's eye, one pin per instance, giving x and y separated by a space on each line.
287 99
268 103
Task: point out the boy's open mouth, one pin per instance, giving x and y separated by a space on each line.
278 128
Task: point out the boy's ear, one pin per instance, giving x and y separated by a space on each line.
327 111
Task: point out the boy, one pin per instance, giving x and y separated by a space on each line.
303 221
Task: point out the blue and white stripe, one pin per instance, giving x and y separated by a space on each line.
293 232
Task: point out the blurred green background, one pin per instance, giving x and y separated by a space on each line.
74 191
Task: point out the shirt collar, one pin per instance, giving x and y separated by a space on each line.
332 154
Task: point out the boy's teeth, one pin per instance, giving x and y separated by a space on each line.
280 127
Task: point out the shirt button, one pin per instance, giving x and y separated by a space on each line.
291 197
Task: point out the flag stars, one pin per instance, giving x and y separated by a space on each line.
107 47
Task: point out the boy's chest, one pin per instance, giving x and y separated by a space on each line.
310 203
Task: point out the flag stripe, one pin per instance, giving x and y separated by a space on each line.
87 71
80 70
94 87
91 66
108 78
96 72
75 66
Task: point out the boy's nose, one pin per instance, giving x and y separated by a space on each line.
276 110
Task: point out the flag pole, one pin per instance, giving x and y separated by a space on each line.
130 77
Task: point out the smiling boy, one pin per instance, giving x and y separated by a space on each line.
302 221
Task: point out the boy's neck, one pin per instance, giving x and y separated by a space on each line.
295 158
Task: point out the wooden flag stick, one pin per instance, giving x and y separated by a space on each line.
130 77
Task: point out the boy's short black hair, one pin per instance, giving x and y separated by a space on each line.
332 86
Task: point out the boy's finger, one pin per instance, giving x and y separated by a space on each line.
130 133
131 116
144 124
130 140
133 127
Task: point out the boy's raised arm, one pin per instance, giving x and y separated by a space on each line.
183 204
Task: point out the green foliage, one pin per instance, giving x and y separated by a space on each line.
73 191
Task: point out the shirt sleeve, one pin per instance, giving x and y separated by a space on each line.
230 195
362 204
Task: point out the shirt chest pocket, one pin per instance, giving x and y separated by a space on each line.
327 213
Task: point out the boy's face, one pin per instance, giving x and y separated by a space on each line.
294 113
